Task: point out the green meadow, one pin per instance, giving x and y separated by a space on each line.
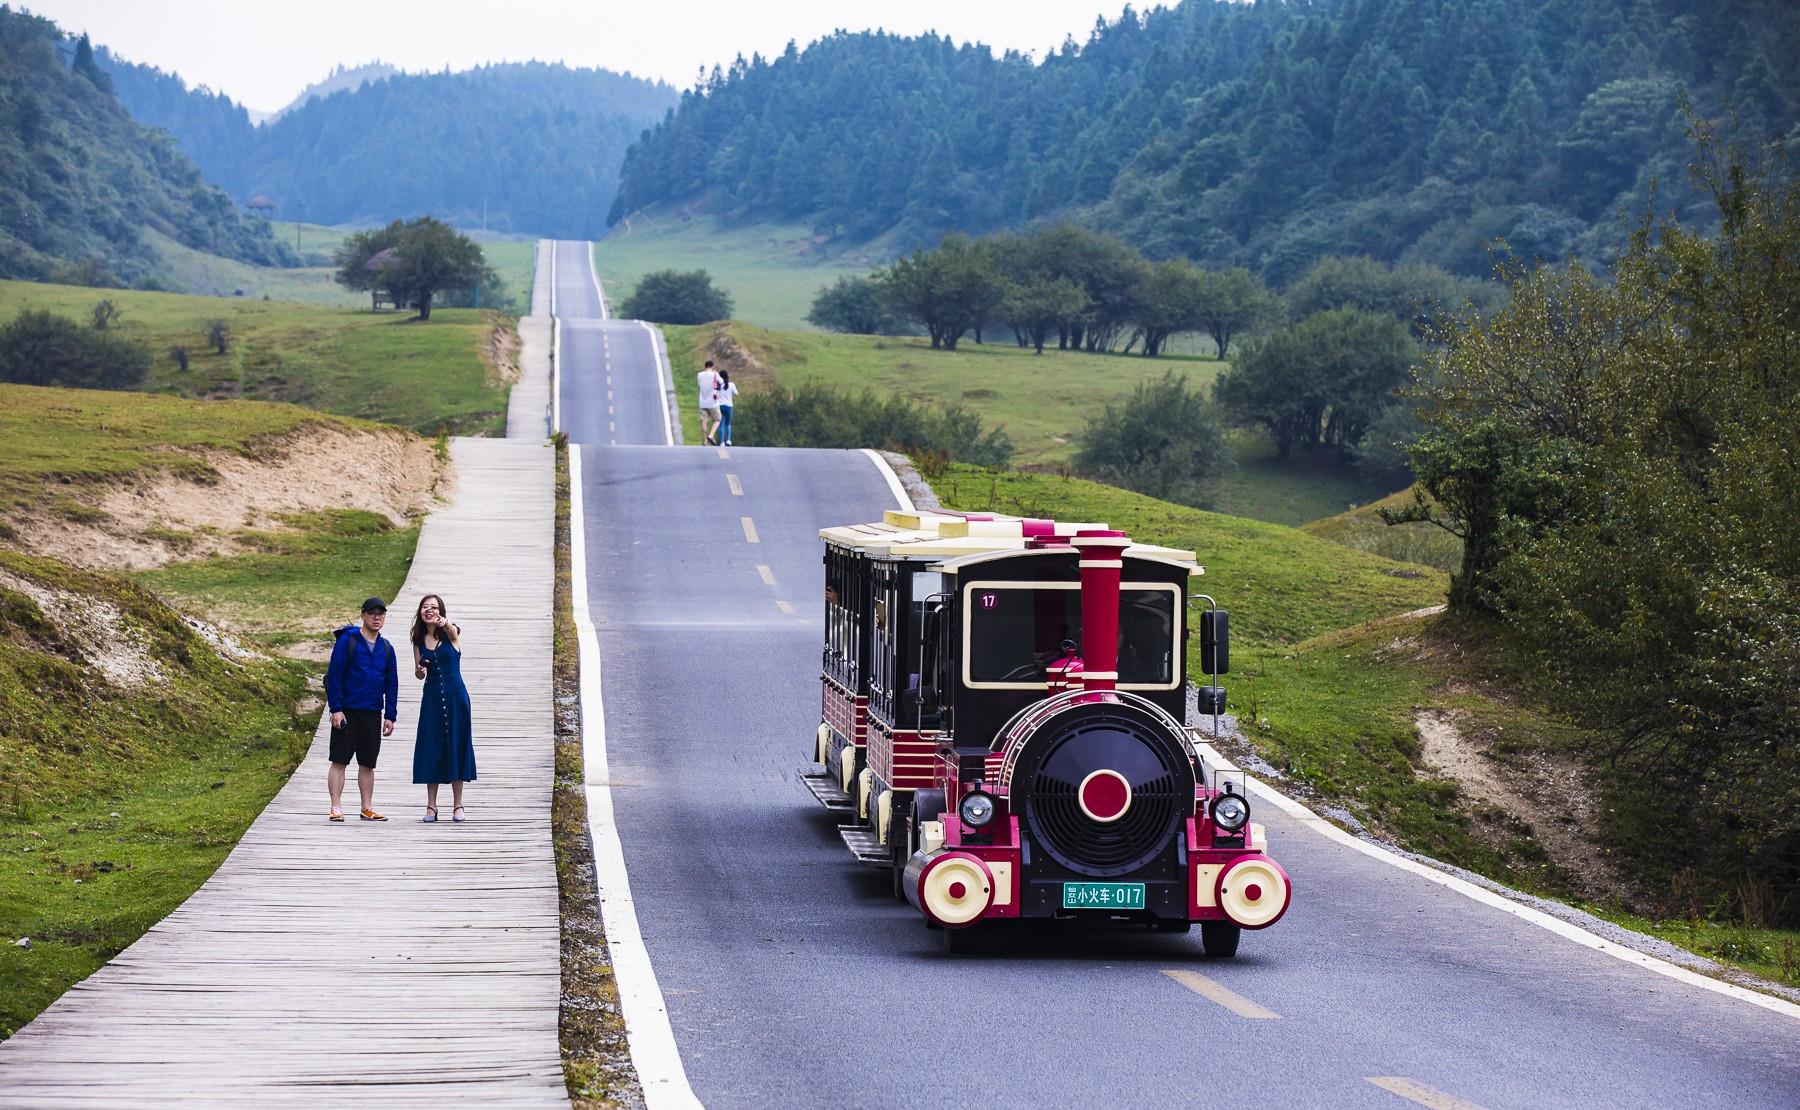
430 376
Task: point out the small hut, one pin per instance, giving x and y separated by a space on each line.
261 205
374 266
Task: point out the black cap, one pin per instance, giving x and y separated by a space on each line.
373 604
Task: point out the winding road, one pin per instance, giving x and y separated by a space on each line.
792 978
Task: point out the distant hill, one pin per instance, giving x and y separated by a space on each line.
1262 134
340 78
80 180
534 147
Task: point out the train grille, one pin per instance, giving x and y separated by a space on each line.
1053 813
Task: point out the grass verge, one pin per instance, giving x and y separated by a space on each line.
430 376
119 796
300 582
596 1056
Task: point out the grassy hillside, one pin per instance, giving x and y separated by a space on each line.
430 376
186 270
133 753
80 180
1363 529
1043 402
771 270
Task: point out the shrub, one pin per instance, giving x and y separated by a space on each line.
674 297
817 416
1165 441
42 348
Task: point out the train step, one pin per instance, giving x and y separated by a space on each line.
863 844
825 788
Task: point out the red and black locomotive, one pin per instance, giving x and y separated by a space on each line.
1002 728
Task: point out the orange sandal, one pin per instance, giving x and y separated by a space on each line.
371 815
337 814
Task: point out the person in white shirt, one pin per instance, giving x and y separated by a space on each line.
707 381
727 390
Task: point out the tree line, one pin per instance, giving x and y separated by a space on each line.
1255 135
1617 452
1061 284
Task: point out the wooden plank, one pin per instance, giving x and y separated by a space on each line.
359 963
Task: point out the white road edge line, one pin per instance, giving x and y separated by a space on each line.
594 273
893 480
664 386
647 1029
1506 905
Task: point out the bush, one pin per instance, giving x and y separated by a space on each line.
853 304
1165 441
42 348
674 297
817 416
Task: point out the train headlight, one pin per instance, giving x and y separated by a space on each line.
977 809
1230 812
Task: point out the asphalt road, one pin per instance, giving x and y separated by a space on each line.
793 979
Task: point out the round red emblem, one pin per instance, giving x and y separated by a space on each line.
1104 796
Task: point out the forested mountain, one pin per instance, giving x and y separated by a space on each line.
80 180
1262 135
539 145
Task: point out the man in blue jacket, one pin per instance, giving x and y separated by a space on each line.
361 687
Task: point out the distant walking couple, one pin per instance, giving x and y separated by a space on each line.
362 687
717 394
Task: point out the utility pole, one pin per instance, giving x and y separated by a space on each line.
299 214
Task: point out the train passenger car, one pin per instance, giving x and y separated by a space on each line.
1002 729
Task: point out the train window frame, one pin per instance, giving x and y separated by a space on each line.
968 612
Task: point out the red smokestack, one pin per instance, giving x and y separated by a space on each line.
1102 553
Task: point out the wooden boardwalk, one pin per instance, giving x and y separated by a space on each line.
394 964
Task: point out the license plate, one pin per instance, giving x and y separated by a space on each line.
1103 896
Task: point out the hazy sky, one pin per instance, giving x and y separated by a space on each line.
263 52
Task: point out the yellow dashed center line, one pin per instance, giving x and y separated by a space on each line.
736 489
768 576
1221 994
1414 1091
749 529
785 607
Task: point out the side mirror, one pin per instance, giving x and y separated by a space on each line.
1209 701
1215 642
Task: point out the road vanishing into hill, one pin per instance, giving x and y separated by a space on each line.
792 978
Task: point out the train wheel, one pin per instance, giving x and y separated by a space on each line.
1219 938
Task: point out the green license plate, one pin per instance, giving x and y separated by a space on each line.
1103 896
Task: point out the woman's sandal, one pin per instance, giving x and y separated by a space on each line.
431 815
337 814
457 815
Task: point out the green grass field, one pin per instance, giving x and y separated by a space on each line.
772 271
50 436
429 376
1043 402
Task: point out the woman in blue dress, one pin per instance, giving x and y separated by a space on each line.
445 749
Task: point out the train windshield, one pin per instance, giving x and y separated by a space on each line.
1016 632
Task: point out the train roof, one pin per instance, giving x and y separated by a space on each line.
957 539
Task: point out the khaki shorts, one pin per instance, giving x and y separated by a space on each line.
704 411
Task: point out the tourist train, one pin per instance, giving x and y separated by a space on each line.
1003 729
